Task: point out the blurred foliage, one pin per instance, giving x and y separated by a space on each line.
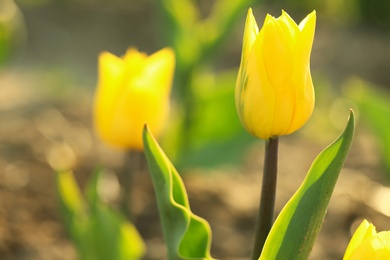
98 231
373 103
12 29
216 133
197 31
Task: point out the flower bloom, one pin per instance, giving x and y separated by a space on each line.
132 91
274 89
366 243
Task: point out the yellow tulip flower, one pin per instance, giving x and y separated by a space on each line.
132 91
274 89
366 243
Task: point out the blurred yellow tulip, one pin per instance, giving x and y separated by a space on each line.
274 89
366 243
132 91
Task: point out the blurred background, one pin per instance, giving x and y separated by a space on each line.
48 73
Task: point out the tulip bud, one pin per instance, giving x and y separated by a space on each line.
366 243
274 89
132 91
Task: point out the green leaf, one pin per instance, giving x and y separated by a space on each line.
92 189
74 212
98 231
187 235
114 237
298 224
224 142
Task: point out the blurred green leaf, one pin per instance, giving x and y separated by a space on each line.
216 133
114 237
92 189
187 235
374 109
214 30
98 231
12 29
74 212
298 224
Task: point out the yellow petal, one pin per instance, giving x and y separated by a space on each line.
385 237
130 93
363 232
250 34
159 67
274 89
301 77
136 107
258 97
251 31
111 69
277 50
304 43
286 20
110 84
372 248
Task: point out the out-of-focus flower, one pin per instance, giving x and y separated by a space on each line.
366 243
132 91
274 89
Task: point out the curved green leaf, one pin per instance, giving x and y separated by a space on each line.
187 235
298 224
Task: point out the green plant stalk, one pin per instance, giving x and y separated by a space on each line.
132 165
267 201
187 96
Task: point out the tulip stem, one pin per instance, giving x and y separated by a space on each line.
132 165
267 201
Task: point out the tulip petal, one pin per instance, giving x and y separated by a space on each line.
303 48
385 237
301 76
277 50
110 71
372 248
111 81
159 68
274 89
286 20
258 99
138 106
366 243
131 92
135 62
250 33
363 232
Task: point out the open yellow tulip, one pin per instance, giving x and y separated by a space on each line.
366 243
274 89
132 91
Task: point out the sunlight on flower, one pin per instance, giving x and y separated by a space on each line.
274 89
366 243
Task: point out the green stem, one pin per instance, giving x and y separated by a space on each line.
267 202
187 96
132 165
